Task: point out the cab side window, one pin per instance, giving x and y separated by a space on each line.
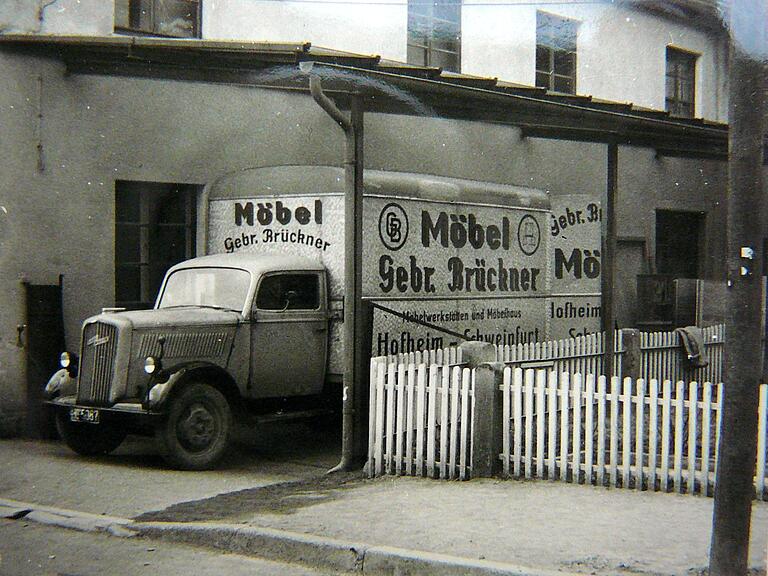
289 292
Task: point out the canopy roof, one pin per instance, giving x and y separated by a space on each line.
385 86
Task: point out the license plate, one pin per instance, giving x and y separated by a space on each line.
89 415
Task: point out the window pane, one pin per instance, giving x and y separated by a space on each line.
417 55
128 284
289 292
565 63
127 203
176 18
127 244
543 62
542 80
564 84
445 60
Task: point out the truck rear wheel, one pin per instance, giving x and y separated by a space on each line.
195 433
88 439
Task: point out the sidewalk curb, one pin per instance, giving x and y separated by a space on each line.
272 544
73 519
329 553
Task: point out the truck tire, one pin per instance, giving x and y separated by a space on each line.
88 439
195 433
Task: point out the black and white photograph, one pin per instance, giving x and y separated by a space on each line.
383 287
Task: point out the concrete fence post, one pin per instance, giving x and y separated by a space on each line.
631 362
487 420
474 353
487 414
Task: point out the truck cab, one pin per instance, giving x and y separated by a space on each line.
229 334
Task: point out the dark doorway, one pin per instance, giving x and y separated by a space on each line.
154 229
678 241
43 341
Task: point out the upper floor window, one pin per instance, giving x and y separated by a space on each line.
434 33
681 83
175 18
556 53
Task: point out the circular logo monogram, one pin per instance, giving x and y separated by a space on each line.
528 235
393 226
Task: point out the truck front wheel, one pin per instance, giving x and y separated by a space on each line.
195 433
88 439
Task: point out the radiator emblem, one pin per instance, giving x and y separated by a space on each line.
95 340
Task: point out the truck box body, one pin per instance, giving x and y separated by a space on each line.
471 257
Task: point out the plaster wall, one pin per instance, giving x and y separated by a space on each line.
620 52
78 17
68 138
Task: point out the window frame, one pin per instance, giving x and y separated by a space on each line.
547 38
425 41
680 58
315 274
149 265
137 30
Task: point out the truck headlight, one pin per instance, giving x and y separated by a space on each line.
152 365
68 361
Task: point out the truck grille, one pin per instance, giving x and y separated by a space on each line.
97 363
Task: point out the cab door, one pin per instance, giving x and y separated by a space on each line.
289 332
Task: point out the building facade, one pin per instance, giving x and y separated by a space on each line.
109 142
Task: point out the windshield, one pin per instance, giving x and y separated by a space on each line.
224 288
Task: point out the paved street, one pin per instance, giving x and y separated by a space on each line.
135 480
29 549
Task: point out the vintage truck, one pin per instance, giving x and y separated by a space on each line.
253 327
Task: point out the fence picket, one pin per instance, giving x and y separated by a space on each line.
679 410
552 426
639 433
399 425
705 438
421 377
626 437
431 420
576 447
518 425
455 390
390 423
564 409
693 411
588 427
613 467
666 416
506 419
601 397
409 419
528 399
379 449
653 434
445 385
541 380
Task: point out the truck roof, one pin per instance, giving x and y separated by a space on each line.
288 180
257 263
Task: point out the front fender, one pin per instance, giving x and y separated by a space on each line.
60 384
173 377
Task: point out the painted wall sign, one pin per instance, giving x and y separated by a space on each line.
575 248
482 271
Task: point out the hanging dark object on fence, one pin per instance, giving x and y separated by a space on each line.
692 346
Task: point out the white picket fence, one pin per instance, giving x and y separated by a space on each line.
661 356
630 434
420 420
